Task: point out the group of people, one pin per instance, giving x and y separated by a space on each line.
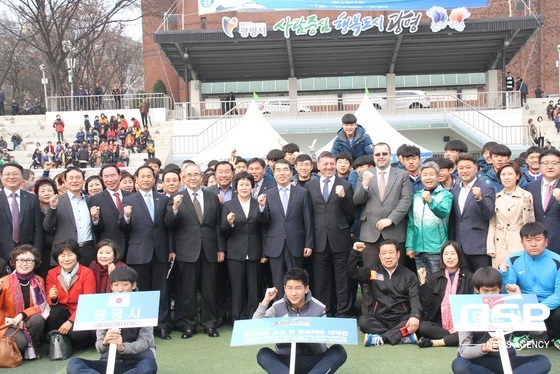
410 232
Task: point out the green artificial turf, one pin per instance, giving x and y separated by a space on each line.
202 354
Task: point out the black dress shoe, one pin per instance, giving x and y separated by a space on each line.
187 334
164 334
212 332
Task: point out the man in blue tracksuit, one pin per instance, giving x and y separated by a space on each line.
535 270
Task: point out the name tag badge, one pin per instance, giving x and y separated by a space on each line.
376 276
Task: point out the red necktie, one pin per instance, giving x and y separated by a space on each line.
118 198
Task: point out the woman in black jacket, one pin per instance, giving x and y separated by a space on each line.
436 329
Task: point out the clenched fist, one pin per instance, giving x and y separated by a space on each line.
177 200
231 218
94 211
262 200
127 211
53 201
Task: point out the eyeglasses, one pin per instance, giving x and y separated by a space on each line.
547 163
384 154
190 176
25 260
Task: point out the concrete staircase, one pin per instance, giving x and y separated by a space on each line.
537 107
34 129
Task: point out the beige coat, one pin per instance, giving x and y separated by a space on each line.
510 214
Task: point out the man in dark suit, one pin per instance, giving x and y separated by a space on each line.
28 229
225 191
333 216
69 216
194 215
150 243
256 167
473 206
109 204
386 194
289 235
546 197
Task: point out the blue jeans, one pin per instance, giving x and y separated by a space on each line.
429 261
82 366
492 364
326 362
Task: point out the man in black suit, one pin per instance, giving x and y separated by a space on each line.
109 204
290 230
194 215
225 191
69 216
28 228
333 215
256 167
150 243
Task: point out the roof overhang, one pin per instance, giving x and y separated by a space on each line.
211 56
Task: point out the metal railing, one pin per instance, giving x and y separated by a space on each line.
193 144
107 102
468 109
306 108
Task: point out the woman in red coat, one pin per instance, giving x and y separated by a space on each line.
65 283
106 260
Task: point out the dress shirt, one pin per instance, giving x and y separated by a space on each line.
543 188
9 197
463 193
329 185
81 217
199 197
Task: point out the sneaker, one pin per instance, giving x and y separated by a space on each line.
409 339
556 343
425 343
521 342
372 339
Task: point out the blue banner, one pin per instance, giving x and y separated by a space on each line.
294 330
117 310
218 6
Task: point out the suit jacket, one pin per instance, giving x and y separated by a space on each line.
61 221
470 228
266 185
215 189
334 218
192 236
245 238
82 283
30 226
107 227
146 237
549 217
295 227
394 205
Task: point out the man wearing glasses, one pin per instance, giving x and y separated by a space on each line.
21 220
386 193
546 197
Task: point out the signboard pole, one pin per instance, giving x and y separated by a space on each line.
111 359
504 355
293 358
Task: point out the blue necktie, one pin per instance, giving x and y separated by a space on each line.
326 189
284 197
150 205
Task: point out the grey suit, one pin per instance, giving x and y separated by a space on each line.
394 205
61 221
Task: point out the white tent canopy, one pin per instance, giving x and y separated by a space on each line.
379 130
252 137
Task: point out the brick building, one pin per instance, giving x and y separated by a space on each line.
536 62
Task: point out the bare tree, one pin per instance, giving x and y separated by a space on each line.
45 25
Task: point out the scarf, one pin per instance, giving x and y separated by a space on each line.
39 301
450 289
68 276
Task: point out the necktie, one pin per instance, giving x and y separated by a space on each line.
15 219
118 199
382 185
197 207
284 197
326 189
150 205
547 194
